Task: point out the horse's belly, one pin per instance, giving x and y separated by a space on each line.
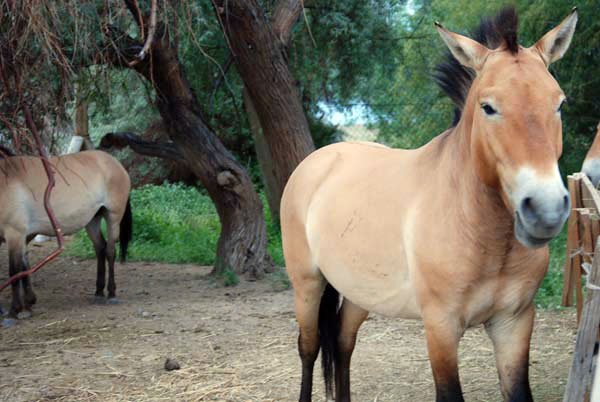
384 290
71 218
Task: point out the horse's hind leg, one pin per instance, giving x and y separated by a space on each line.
29 294
94 232
16 250
112 228
308 294
351 318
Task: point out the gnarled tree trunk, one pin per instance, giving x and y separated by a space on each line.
242 245
259 48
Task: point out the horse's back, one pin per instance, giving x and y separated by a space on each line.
335 211
109 168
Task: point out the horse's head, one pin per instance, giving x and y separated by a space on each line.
512 117
591 163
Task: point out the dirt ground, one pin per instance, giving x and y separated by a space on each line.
233 344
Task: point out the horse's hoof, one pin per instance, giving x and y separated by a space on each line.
30 299
113 300
99 300
23 315
8 322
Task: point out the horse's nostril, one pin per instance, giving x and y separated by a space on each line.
527 205
566 202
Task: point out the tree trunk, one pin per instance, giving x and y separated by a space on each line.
82 121
242 245
259 50
265 162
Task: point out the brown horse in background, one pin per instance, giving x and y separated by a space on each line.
90 185
454 233
591 163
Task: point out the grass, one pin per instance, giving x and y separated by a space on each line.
177 224
550 293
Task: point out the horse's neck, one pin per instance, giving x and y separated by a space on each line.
479 209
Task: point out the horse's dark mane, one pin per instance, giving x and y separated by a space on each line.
455 79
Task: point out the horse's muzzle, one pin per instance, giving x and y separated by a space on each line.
539 219
591 167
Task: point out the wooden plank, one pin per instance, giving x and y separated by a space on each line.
585 233
595 228
577 248
575 244
581 374
591 199
589 195
571 234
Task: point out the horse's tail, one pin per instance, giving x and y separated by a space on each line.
126 230
328 333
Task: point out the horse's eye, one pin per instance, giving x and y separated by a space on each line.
561 105
488 109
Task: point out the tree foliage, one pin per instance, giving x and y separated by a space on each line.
335 51
412 109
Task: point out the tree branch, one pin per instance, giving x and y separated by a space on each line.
134 9
149 38
119 140
284 18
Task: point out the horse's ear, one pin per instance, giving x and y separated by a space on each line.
468 52
555 43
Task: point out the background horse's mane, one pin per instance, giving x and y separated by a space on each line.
455 79
4 152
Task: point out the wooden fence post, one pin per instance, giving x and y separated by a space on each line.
581 376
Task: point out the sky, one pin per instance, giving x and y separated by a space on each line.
344 117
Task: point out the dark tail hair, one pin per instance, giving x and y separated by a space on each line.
328 332
126 231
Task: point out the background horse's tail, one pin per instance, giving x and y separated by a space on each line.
328 332
126 231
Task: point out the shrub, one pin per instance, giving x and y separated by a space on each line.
174 223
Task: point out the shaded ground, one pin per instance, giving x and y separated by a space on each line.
233 344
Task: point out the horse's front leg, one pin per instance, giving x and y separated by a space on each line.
443 334
511 335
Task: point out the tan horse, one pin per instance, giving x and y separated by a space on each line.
591 163
90 185
454 233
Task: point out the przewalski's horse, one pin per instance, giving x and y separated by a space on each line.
591 163
90 185
454 233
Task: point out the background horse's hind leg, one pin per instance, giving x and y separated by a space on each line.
16 250
308 294
28 292
112 228
511 336
94 232
351 318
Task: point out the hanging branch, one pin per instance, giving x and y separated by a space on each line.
151 30
47 206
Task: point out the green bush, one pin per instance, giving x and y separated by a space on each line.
174 223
